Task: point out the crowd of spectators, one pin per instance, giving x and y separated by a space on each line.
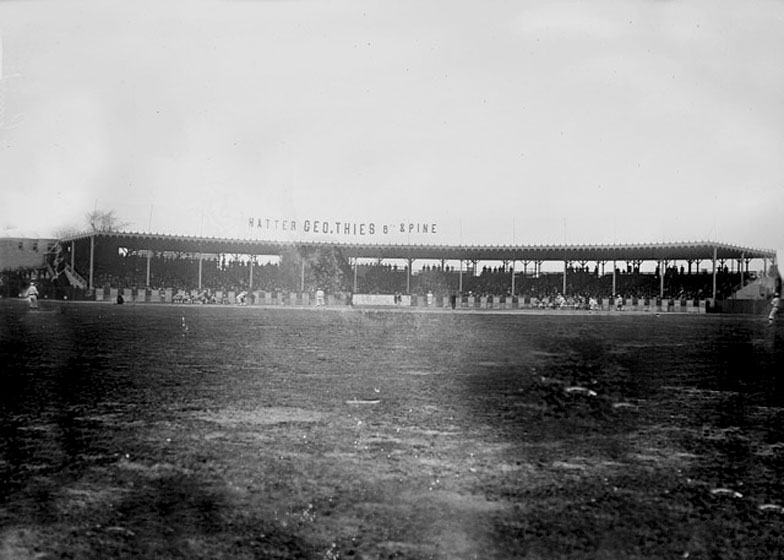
583 283
182 274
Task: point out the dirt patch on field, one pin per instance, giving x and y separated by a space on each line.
262 416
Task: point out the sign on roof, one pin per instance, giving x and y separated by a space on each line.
264 227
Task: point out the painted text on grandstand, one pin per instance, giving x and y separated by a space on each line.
326 227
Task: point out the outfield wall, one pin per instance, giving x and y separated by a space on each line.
744 306
654 305
382 300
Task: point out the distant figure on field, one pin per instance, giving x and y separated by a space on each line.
618 303
32 295
429 299
120 299
241 297
775 303
319 298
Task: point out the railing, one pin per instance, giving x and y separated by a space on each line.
75 278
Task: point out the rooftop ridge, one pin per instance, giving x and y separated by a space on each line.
673 250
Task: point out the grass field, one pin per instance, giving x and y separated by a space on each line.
221 432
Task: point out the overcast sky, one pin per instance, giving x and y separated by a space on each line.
501 122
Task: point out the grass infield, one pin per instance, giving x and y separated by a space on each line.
221 432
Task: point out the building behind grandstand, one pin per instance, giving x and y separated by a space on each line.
22 258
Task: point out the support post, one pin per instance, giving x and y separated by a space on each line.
149 258
563 292
741 267
200 267
460 281
250 279
662 266
513 278
355 275
302 277
614 289
714 276
73 255
92 259
408 275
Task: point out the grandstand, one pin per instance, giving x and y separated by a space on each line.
157 267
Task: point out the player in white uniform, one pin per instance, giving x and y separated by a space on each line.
775 304
32 295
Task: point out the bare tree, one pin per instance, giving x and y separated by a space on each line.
326 268
95 221
64 232
103 221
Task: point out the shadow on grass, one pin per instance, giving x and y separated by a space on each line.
147 516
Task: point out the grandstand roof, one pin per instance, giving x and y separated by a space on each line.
625 252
